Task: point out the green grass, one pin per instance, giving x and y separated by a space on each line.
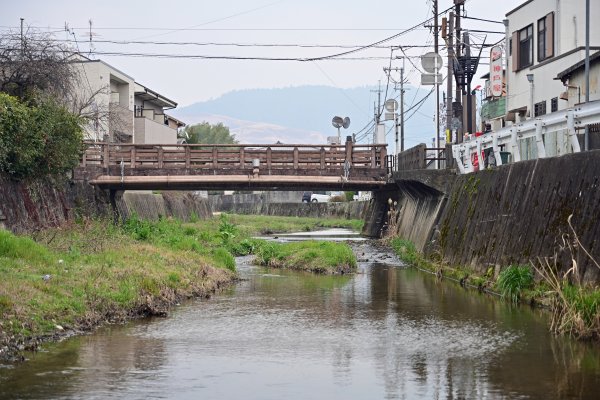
513 280
99 270
315 256
261 224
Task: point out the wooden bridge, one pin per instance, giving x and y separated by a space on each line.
240 166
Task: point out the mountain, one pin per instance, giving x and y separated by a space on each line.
303 114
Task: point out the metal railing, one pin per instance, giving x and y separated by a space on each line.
570 120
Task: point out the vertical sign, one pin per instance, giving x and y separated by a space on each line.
496 78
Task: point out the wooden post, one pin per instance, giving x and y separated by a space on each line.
383 155
215 155
349 149
105 159
295 158
132 161
242 160
188 156
373 156
322 157
84 158
160 157
269 158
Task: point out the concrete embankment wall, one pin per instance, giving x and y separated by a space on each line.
509 215
348 210
219 201
151 206
29 206
517 213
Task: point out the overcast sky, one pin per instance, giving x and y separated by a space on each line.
245 22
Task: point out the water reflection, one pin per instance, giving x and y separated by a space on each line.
387 333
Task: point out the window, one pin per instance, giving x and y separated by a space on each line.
554 104
539 108
526 47
545 37
522 48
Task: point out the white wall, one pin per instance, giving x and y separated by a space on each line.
569 33
148 131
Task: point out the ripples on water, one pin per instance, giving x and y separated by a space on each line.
388 332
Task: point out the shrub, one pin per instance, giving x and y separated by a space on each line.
513 280
337 199
41 139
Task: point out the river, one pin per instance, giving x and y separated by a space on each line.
388 332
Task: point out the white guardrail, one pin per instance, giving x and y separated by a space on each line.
571 119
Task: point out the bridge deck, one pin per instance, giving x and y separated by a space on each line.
195 167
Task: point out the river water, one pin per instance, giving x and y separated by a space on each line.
388 332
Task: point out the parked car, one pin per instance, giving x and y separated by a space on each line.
320 197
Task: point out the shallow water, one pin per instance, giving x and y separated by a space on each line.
387 332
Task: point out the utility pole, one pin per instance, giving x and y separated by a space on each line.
437 88
378 91
587 69
22 50
458 95
449 41
402 107
468 97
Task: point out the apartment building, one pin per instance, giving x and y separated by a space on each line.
121 109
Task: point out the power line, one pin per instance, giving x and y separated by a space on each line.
60 29
380 41
483 19
234 44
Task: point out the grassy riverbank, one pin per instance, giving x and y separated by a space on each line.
79 276
575 309
313 256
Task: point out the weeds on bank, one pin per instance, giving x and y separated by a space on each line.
80 275
513 280
261 224
575 308
315 256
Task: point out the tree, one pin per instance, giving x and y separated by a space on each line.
40 135
34 63
206 133
36 68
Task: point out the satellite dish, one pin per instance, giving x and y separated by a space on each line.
391 105
346 123
337 122
432 62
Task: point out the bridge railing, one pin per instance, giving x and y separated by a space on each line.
238 156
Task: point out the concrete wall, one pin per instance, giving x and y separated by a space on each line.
509 215
146 205
348 210
26 207
148 131
283 196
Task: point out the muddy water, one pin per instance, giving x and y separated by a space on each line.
388 332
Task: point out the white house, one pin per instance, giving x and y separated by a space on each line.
122 109
545 37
